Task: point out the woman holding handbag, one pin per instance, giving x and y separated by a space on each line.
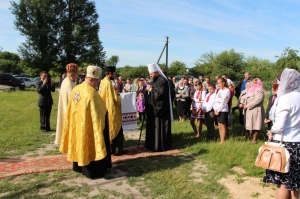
286 125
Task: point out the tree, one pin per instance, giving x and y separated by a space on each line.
204 65
261 68
141 71
58 32
177 68
133 72
206 58
113 60
33 72
37 21
162 66
79 39
9 62
288 59
231 63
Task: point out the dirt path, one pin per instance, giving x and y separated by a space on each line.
241 186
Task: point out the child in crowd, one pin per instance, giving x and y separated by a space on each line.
197 114
140 106
205 89
207 108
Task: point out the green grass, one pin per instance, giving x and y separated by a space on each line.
19 123
155 177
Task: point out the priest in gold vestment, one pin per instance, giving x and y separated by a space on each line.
113 104
65 90
85 136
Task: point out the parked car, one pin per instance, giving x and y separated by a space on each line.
7 88
37 79
9 80
28 82
24 75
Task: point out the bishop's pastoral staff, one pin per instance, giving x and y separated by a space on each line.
66 88
159 111
85 136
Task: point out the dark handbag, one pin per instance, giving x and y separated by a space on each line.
273 156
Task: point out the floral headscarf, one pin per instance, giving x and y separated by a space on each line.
255 88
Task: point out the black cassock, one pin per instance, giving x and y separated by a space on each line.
158 126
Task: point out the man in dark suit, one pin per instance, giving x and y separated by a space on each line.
44 88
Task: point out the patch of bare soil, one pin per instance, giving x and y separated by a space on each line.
40 151
245 187
133 135
199 170
114 185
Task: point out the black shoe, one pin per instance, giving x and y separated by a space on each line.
44 130
123 152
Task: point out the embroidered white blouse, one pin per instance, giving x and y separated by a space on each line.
221 103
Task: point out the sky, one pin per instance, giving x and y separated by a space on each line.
136 30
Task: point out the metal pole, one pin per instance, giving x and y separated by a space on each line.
141 132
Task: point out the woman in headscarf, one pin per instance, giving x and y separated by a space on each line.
254 109
286 125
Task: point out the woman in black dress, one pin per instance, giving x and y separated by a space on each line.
182 93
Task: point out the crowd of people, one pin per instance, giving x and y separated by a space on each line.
89 119
203 102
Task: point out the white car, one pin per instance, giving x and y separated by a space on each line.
28 82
